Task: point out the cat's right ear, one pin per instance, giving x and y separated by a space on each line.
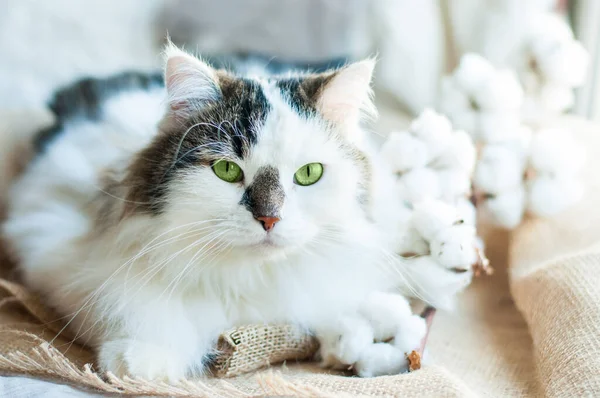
190 82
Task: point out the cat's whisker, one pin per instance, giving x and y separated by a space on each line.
195 257
159 266
154 270
218 250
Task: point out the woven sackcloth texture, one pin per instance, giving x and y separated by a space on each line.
486 347
555 281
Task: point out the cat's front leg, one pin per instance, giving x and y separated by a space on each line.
137 358
161 345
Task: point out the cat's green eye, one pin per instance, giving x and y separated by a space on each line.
228 171
308 174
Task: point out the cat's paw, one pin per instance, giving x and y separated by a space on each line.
139 359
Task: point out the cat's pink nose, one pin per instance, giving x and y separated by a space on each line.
268 222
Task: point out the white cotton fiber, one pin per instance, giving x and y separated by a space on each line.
431 216
403 152
466 211
411 334
385 312
419 184
561 62
499 168
556 152
521 142
356 335
550 26
453 183
454 247
380 359
503 91
507 208
472 72
453 98
468 121
410 241
433 129
460 154
548 196
499 126
556 97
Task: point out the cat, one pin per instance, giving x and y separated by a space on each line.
163 209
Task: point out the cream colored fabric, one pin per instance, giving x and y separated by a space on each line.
483 348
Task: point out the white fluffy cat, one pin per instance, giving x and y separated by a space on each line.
155 216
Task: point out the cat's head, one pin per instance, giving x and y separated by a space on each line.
266 164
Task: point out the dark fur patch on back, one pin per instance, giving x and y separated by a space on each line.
84 99
224 129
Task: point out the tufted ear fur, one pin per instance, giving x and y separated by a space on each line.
190 82
346 97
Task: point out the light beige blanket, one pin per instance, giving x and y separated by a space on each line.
531 329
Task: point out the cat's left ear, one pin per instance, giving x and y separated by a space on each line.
346 97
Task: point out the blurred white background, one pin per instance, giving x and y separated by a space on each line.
46 44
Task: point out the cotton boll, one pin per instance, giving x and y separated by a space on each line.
468 121
411 241
412 331
381 359
430 121
404 152
433 129
501 92
435 284
520 143
353 335
419 184
454 247
431 216
452 98
556 97
466 211
453 183
499 168
386 312
549 196
472 72
554 151
563 63
550 26
460 154
507 208
497 126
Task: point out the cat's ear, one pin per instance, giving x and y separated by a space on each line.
346 97
190 82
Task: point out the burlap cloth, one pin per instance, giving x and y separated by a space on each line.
533 329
